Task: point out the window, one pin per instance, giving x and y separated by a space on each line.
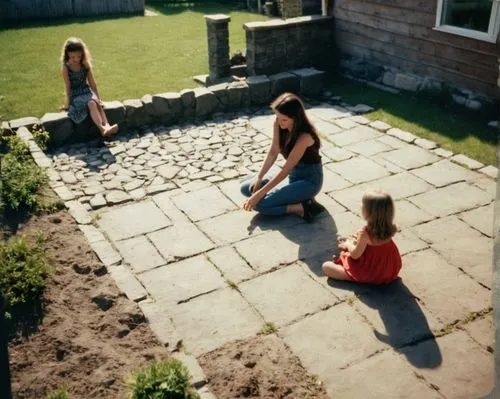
477 19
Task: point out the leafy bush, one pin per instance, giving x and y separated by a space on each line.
15 146
168 379
23 271
21 179
41 136
59 393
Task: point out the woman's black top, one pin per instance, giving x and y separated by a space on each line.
311 154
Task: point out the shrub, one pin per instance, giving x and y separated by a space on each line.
41 136
23 271
59 393
21 179
15 146
167 379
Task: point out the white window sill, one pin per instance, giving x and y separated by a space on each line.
471 34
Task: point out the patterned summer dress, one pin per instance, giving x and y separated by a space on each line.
80 94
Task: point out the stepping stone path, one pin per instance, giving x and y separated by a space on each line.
162 209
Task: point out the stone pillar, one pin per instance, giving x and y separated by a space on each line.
218 46
290 8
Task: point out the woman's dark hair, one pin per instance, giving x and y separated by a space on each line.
290 105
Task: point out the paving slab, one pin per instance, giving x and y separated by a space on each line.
335 154
443 173
355 135
127 282
454 377
446 291
407 214
359 170
345 123
480 219
286 295
451 199
396 314
203 204
211 320
393 142
180 281
164 202
384 375
161 324
331 340
369 147
410 157
231 264
482 330
131 220
326 128
171 247
235 226
332 181
407 242
329 112
231 190
274 250
486 184
140 253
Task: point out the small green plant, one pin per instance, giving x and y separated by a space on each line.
15 146
95 218
21 179
41 136
59 393
23 271
268 328
351 299
166 379
232 284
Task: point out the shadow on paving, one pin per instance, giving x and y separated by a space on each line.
402 317
317 242
404 322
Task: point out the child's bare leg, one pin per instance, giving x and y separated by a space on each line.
103 115
95 114
335 271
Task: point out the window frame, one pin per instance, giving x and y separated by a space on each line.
493 28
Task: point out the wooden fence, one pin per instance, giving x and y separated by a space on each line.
21 10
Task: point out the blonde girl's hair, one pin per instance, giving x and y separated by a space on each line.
379 212
74 44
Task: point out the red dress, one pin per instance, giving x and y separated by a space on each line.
378 264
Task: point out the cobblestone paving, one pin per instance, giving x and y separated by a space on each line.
162 209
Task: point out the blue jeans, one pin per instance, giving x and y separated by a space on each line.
304 182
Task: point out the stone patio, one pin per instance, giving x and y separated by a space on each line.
162 209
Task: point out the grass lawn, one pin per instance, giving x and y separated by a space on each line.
453 128
132 56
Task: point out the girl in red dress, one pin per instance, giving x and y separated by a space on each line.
370 256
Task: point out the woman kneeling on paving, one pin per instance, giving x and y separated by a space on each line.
297 140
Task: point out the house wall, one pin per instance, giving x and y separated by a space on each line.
397 35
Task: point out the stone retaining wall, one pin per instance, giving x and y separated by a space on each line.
393 80
171 108
276 45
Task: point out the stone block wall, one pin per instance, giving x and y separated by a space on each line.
279 45
290 8
172 108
